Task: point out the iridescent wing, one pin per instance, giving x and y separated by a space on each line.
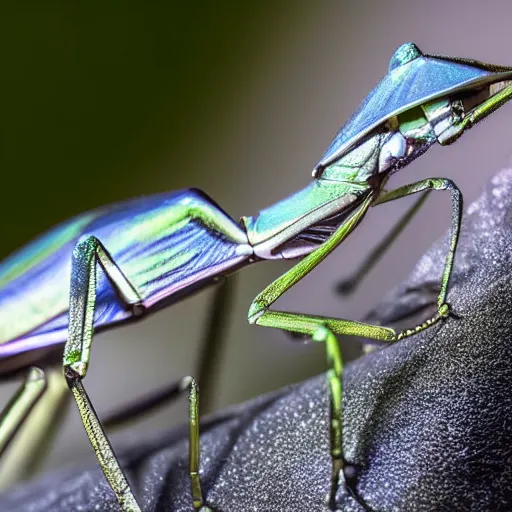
161 250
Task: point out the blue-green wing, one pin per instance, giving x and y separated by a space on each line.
162 251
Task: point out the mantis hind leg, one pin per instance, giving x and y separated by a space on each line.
211 350
213 345
19 407
17 411
86 257
29 423
142 406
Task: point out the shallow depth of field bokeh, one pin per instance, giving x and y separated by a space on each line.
101 102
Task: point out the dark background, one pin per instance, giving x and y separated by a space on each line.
102 102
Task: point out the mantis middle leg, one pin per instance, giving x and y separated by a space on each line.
321 328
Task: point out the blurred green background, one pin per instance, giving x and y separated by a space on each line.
99 101
105 101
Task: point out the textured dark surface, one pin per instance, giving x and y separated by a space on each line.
428 420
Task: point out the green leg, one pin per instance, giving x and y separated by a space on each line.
32 442
335 382
477 114
194 446
261 314
320 329
211 351
102 447
349 285
110 464
20 406
212 345
457 205
141 406
86 256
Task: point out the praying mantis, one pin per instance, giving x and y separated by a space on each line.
121 262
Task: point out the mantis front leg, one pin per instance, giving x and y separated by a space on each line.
346 286
323 328
457 206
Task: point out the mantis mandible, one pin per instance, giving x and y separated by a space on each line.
123 261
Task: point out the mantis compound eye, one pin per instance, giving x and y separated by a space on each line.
392 150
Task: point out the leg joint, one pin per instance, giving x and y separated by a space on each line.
87 243
74 372
256 310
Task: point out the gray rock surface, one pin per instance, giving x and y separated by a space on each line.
428 421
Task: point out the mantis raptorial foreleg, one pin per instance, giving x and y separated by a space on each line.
260 313
348 285
457 207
